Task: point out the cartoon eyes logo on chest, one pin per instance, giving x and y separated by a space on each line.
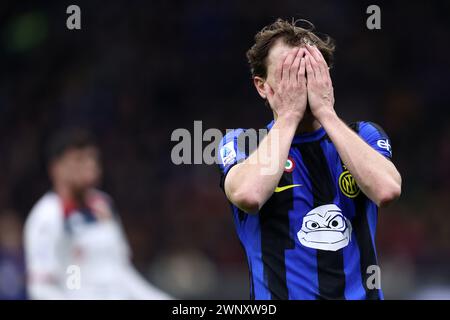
325 228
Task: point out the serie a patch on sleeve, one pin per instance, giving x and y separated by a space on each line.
228 153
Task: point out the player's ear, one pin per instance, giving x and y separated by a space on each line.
259 85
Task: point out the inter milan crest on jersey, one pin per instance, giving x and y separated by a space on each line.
325 228
348 185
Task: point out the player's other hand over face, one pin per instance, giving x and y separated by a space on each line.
288 96
319 84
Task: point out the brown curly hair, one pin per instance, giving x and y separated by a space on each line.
292 35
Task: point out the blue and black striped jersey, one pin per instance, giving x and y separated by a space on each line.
315 237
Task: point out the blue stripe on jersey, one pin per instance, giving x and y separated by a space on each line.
352 269
372 213
250 226
354 289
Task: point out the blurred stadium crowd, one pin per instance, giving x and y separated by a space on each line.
138 70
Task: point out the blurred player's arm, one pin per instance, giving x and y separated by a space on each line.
377 177
139 288
42 233
248 185
133 283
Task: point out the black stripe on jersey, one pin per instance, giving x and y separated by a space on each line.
251 283
362 233
355 126
275 239
330 264
365 245
241 215
250 273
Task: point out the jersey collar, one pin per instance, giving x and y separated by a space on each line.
304 137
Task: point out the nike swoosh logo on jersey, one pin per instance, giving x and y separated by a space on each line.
290 186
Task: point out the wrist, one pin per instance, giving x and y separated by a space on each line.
289 118
326 115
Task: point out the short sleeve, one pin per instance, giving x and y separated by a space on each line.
376 137
43 235
230 153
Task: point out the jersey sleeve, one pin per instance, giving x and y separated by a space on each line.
230 153
136 287
376 137
42 233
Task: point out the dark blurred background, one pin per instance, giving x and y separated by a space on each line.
137 70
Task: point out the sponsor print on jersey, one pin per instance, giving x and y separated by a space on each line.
227 153
384 144
325 228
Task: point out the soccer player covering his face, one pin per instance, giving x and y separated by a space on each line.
308 228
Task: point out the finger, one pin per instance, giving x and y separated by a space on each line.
279 69
314 52
315 66
318 56
302 70
322 63
309 68
287 64
293 73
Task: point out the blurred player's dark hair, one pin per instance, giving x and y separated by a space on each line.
63 140
292 35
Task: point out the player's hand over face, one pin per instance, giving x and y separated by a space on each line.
320 87
288 96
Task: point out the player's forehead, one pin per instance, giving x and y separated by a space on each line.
276 53
82 152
